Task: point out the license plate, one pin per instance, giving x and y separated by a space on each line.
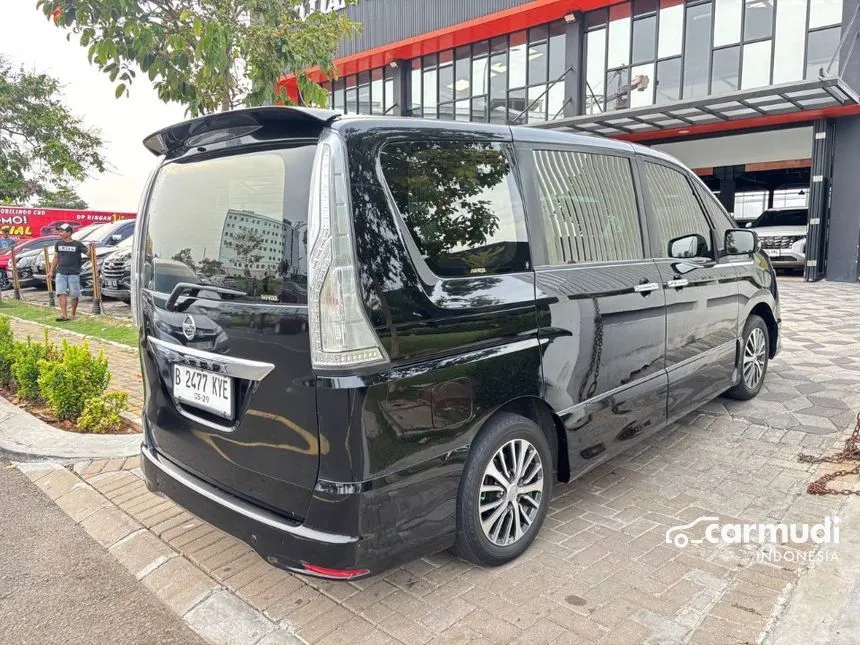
206 390
112 283
772 252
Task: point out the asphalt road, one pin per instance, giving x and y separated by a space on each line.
59 586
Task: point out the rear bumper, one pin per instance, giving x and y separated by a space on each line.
280 541
352 534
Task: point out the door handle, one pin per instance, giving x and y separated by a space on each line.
677 283
646 287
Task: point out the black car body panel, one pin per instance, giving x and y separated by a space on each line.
359 468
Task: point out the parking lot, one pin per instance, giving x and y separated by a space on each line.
601 569
40 296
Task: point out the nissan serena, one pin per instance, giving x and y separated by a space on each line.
483 311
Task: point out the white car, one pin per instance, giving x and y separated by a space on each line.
782 232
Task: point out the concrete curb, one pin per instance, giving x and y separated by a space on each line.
218 616
22 433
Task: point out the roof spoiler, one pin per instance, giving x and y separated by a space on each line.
227 125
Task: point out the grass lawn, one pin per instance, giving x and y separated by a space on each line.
103 327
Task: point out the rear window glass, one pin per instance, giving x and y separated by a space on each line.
460 203
237 221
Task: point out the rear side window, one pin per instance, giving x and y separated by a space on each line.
588 206
677 211
460 203
237 221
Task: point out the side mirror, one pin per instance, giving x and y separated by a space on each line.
115 239
739 241
689 246
748 225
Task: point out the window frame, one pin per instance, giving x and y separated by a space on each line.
656 243
525 151
518 193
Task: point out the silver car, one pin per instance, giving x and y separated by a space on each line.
782 232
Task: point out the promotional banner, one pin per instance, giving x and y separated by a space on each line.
22 223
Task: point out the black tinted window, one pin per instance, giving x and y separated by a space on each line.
460 204
797 217
588 206
677 213
239 220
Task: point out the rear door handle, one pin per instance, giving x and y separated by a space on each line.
677 283
646 287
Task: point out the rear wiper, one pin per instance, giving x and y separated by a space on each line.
192 290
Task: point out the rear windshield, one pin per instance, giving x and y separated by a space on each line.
783 218
237 221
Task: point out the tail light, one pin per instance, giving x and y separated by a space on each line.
341 335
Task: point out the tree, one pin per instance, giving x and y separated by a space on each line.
45 150
63 198
208 55
246 247
210 267
186 258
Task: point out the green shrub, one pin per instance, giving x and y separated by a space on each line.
7 352
68 383
27 365
103 413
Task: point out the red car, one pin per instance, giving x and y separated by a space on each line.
51 228
27 245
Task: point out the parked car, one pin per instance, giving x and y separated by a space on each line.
115 271
105 237
25 263
34 244
490 310
782 232
51 228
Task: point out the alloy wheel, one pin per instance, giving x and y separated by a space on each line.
511 492
754 358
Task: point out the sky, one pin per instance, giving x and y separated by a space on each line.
27 38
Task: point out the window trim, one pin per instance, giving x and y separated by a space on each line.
656 246
537 228
427 274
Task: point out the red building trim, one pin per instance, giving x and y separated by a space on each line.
534 13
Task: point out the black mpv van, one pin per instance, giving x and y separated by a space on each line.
394 335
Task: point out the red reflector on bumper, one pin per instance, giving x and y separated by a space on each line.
340 574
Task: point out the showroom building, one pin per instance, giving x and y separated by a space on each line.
759 97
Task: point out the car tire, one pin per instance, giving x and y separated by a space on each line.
753 360
490 537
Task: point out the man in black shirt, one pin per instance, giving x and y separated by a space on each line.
66 266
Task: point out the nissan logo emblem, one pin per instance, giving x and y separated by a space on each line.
189 328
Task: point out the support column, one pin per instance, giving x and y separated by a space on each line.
574 55
819 199
402 91
727 176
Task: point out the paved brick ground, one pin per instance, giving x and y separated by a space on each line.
600 571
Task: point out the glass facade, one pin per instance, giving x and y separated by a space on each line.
649 52
518 78
636 54
365 93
